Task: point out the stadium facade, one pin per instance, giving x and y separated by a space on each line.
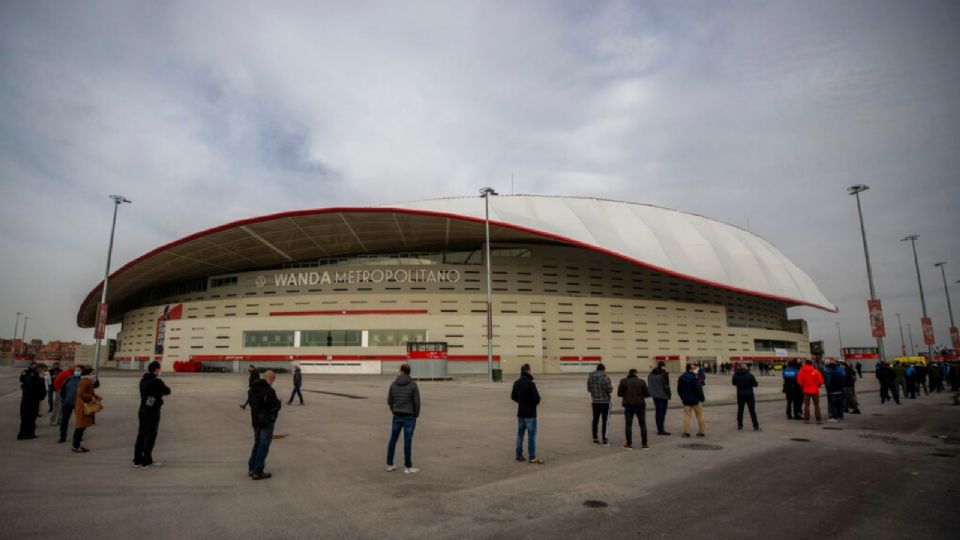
575 281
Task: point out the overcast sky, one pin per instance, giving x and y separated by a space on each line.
759 114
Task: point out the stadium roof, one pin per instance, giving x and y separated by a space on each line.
677 243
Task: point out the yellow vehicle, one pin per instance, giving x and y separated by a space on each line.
911 360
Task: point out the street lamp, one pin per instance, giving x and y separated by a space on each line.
23 336
16 328
913 349
855 191
101 308
486 192
949 307
923 303
903 346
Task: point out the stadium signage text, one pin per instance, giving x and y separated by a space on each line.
362 276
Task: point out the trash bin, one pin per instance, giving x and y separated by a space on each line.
497 375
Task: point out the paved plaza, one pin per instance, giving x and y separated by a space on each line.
892 472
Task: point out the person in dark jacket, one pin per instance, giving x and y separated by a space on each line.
745 383
658 381
254 376
835 381
850 402
527 398
152 390
68 395
691 395
404 402
634 393
297 382
792 391
264 409
600 388
33 391
887 379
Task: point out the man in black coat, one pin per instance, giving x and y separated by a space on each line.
152 390
403 398
254 375
33 390
745 383
527 397
264 409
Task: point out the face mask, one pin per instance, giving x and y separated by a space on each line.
76 373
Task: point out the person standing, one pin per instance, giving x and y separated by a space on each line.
264 409
810 380
152 390
634 393
900 379
859 370
835 383
48 375
600 388
254 375
69 397
403 398
745 383
527 397
32 392
850 402
84 419
63 375
888 383
658 382
792 391
297 381
691 395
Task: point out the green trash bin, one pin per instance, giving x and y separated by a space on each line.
497 375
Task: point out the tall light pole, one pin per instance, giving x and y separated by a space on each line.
486 192
16 328
903 346
101 309
913 349
839 337
855 191
946 291
23 336
923 303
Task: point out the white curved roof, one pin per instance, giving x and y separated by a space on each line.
688 245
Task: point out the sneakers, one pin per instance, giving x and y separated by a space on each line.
833 420
701 434
261 476
663 433
627 446
521 459
686 435
757 428
153 464
411 470
80 450
536 461
596 441
606 443
137 466
391 468
643 446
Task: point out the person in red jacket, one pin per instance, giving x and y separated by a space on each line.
810 380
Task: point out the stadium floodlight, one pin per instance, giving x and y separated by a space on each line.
101 309
855 191
486 192
923 303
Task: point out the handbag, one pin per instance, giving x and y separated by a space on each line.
91 408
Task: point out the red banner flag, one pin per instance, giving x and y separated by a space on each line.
927 326
100 328
955 338
876 318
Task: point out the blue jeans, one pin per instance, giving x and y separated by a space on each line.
407 424
528 425
65 413
296 392
262 436
661 413
836 405
751 403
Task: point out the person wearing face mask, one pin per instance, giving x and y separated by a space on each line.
63 375
85 394
68 395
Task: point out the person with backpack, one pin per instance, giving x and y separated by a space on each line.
600 388
152 390
264 410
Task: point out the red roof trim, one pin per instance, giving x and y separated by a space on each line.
385 209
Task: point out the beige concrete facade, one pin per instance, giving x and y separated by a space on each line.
556 308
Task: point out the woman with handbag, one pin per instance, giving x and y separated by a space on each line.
87 406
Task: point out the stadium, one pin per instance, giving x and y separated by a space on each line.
575 281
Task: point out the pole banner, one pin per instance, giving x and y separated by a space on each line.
876 318
101 325
927 325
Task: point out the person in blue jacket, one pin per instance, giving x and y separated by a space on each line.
691 395
792 391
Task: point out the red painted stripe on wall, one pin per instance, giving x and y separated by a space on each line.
350 312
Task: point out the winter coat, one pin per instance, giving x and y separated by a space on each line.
599 386
810 379
32 386
297 378
689 389
659 383
404 396
85 394
526 395
633 391
264 403
789 379
61 378
745 382
152 390
838 378
900 372
254 377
